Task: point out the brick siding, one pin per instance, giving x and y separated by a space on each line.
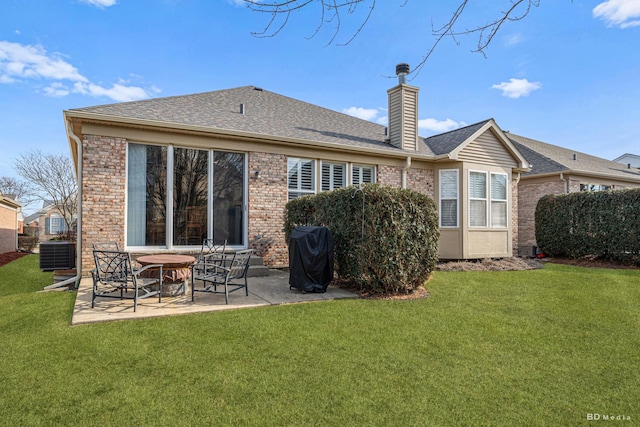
420 180
8 230
528 196
103 193
267 200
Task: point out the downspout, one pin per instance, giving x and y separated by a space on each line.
78 275
405 170
566 183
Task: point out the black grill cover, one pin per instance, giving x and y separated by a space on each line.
310 259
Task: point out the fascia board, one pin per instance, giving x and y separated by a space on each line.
241 134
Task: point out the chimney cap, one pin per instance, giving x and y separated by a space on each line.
402 68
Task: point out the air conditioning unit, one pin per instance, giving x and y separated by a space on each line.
528 251
57 255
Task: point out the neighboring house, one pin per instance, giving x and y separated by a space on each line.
557 170
9 224
49 221
631 160
161 174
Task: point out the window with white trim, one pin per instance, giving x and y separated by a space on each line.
301 177
363 174
57 224
333 175
449 198
477 199
488 201
594 187
498 200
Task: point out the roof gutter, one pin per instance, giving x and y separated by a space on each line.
73 137
635 178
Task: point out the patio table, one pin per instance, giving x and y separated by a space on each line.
175 272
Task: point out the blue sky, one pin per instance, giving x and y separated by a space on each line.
568 74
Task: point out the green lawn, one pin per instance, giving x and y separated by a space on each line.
543 347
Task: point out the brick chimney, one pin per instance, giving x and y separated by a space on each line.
403 112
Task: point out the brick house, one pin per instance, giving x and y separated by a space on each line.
631 160
160 174
49 221
557 170
10 214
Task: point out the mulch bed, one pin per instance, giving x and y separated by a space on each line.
591 262
7 257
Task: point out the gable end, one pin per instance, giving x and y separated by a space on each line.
487 149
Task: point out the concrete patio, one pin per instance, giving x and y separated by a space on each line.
272 289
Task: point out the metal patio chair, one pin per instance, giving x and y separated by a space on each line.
210 251
114 277
106 246
228 271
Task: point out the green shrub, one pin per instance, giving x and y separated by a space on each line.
27 243
394 250
603 224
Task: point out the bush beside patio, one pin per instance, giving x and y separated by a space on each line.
539 347
395 251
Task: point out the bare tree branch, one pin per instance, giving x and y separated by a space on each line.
21 191
52 176
331 11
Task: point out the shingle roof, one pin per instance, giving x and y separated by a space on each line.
447 142
266 113
548 158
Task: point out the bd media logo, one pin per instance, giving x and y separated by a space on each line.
607 417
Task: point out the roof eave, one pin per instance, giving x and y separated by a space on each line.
72 115
583 173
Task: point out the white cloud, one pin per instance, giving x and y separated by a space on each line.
23 62
117 92
362 113
515 88
99 3
379 116
435 125
514 39
56 89
620 13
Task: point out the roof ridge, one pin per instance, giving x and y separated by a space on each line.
146 100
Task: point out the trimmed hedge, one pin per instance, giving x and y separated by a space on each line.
603 224
395 251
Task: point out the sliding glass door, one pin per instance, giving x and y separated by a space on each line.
205 196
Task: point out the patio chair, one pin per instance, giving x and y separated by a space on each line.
210 246
228 271
211 250
106 246
114 277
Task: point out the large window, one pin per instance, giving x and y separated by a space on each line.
449 198
301 177
480 192
362 175
55 224
594 187
147 195
498 200
477 199
190 196
202 190
334 175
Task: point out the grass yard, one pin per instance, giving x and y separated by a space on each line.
539 347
